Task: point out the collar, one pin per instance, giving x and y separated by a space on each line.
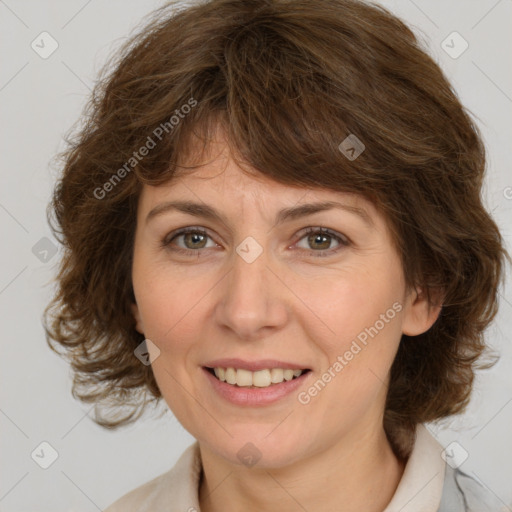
421 485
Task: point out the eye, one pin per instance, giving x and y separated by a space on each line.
192 239
319 240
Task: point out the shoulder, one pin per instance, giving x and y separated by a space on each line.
175 489
138 498
463 493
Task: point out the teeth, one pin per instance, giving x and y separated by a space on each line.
276 375
243 378
260 379
288 374
221 373
230 375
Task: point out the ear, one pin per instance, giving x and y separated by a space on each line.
420 314
139 326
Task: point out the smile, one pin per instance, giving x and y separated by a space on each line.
248 392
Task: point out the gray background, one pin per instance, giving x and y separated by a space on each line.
40 99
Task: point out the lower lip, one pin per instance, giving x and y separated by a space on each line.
255 396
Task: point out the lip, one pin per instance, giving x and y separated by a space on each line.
253 397
254 366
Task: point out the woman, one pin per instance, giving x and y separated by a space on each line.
273 222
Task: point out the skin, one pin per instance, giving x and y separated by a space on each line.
331 454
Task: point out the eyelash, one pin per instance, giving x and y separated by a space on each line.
343 241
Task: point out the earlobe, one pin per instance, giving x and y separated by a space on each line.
420 314
136 315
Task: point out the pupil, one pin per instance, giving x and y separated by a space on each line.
196 237
315 238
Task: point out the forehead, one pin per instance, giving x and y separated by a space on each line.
234 187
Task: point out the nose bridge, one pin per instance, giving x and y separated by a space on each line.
251 299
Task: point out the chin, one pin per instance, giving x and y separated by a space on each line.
251 448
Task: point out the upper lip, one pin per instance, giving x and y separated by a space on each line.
254 366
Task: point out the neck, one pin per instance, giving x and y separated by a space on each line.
357 473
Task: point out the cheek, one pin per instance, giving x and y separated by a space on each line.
358 300
364 312
166 297
169 308
359 334
358 356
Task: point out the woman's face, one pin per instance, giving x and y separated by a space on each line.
249 282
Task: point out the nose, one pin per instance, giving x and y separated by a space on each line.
252 299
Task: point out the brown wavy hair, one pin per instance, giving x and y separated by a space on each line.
288 81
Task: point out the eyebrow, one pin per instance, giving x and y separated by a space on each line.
286 214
